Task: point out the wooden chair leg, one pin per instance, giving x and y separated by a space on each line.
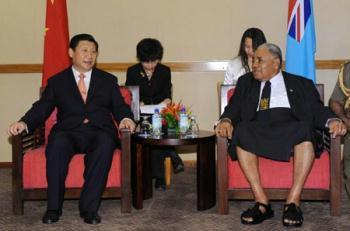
168 167
222 175
126 194
17 203
336 177
17 181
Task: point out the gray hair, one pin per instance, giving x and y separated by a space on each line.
274 50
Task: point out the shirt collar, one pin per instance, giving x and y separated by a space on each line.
276 79
76 73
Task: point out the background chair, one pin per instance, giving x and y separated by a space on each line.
168 171
323 183
29 164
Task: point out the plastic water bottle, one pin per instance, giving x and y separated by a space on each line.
194 129
183 122
156 123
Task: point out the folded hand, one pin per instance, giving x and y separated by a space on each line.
224 128
336 128
127 123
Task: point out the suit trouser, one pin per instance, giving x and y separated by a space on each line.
346 162
157 163
98 147
157 158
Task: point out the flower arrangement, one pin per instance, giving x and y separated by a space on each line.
171 114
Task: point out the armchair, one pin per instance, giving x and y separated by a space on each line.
323 183
29 171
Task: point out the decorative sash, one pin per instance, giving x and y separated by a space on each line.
344 73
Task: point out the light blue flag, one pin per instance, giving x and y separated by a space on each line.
301 39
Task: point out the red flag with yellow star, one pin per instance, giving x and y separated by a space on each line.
56 39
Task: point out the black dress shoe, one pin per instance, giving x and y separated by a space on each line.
91 217
51 216
160 184
178 165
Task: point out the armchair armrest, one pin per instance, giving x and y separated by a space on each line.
20 144
336 175
222 144
125 138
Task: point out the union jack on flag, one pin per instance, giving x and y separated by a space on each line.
301 39
299 12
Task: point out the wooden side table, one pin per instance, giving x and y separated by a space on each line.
141 166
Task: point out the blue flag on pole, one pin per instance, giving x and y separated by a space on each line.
301 39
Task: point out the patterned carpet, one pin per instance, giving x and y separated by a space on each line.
174 209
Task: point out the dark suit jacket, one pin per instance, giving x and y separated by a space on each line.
104 100
152 91
303 98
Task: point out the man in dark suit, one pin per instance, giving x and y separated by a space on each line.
272 113
85 98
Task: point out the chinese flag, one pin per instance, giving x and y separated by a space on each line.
56 39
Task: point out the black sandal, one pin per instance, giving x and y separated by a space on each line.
256 214
292 213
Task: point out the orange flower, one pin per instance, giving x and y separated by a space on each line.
171 114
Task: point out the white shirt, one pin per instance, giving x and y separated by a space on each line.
279 97
234 70
86 79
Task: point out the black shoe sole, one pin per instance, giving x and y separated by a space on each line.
50 221
179 169
92 222
257 221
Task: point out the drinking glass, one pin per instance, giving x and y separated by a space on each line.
193 129
146 127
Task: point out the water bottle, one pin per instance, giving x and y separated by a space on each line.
156 123
194 129
183 122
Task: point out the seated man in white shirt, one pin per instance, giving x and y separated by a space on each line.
272 113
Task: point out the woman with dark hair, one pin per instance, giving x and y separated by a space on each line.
242 64
153 77
154 80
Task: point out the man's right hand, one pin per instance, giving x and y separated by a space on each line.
16 128
224 128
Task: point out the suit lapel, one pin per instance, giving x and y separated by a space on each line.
256 92
290 91
253 97
92 87
73 86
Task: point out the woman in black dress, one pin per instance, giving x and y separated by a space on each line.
154 80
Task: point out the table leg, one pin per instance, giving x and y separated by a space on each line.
147 172
206 186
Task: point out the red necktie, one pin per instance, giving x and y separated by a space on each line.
83 92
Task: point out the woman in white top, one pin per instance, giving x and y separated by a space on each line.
242 64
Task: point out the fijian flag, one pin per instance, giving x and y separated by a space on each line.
301 39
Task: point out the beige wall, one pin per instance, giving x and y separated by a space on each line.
190 30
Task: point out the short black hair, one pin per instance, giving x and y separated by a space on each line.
149 49
82 37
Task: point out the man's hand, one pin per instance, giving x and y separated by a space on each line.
336 128
224 129
127 123
16 128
